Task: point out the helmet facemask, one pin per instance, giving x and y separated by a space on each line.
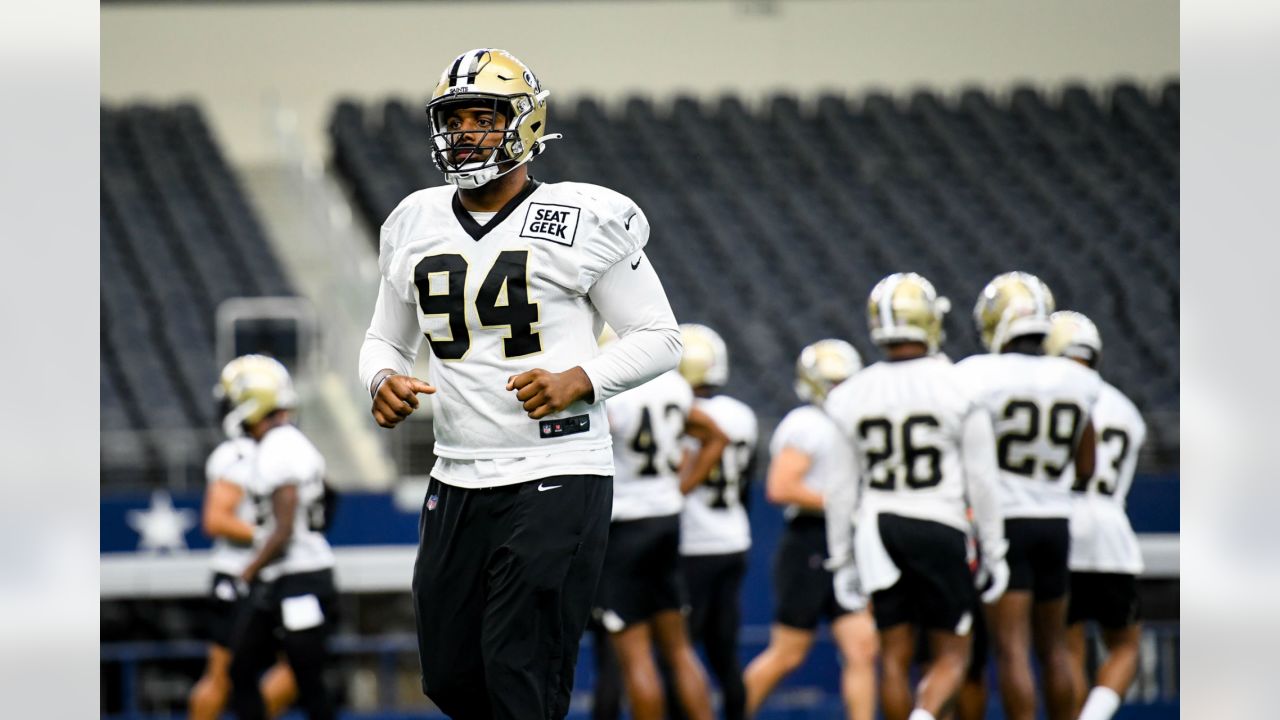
487 80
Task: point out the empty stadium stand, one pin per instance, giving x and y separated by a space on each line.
772 223
178 237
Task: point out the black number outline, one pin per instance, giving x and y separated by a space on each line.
510 268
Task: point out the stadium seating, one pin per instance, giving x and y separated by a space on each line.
771 223
178 237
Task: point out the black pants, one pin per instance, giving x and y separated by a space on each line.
260 635
715 584
502 589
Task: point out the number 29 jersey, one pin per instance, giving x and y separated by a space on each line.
906 420
1039 406
499 299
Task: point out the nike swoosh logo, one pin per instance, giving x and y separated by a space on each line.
627 224
544 488
500 77
636 264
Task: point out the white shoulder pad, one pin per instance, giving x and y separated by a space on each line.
222 462
616 227
411 219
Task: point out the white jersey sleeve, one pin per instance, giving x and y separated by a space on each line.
517 293
714 521
1102 539
1039 407
809 430
646 423
232 462
286 457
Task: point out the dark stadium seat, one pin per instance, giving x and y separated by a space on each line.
772 221
178 237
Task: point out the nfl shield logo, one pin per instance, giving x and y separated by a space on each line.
431 502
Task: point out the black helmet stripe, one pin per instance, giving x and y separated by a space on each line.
453 71
475 65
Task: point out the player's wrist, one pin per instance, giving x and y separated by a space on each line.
582 387
382 376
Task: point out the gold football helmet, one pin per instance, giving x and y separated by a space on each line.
495 79
1073 335
824 365
254 386
705 360
904 307
1012 305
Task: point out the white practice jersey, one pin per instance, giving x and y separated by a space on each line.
906 422
232 462
1040 406
286 457
497 300
809 430
714 522
1102 540
647 423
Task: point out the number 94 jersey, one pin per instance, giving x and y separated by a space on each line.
1040 406
499 298
647 423
906 421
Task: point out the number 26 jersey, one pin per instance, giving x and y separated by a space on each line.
499 298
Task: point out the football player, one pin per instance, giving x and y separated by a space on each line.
923 450
510 280
808 453
1041 408
1105 557
714 531
289 578
639 601
227 517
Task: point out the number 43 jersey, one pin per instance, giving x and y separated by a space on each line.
1040 406
647 423
906 420
497 299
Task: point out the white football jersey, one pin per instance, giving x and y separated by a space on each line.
286 457
1039 406
496 300
1102 540
905 421
809 430
232 461
714 522
647 423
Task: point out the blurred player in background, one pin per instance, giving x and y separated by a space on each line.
1041 408
923 449
808 455
228 517
1105 557
510 280
289 579
640 597
714 531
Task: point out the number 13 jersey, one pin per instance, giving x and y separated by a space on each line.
498 299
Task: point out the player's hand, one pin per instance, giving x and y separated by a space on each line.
993 579
545 393
848 586
398 398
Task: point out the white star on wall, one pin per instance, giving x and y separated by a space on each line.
161 526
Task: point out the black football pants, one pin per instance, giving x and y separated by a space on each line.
260 635
502 589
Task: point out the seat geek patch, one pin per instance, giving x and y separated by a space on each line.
557 223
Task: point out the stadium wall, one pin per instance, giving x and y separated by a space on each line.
269 72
